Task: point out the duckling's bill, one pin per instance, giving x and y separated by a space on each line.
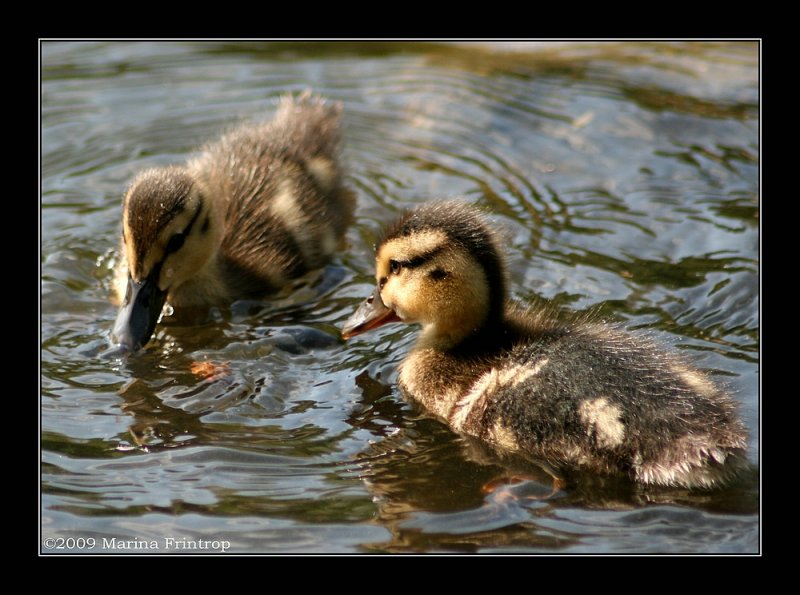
139 313
371 314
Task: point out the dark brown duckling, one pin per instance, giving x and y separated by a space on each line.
262 205
578 393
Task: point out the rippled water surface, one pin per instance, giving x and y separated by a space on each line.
625 176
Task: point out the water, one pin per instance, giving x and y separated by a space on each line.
625 176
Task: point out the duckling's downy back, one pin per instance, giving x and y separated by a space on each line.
285 211
609 400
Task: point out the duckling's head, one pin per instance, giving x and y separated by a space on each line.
440 266
168 235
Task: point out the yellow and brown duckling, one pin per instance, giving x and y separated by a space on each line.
262 205
582 394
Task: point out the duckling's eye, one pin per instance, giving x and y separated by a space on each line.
437 274
175 242
381 283
394 266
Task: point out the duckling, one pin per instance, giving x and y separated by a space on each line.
262 205
577 393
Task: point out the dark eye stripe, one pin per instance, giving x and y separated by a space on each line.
188 229
418 261
176 241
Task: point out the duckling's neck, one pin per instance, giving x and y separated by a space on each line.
492 332
206 286
505 326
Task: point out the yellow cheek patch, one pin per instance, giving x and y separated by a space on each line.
130 253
